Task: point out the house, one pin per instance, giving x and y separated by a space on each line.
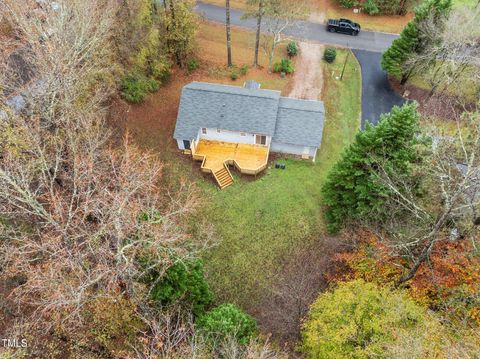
223 125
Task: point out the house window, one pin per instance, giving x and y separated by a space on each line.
243 134
204 131
186 144
261 140
218 130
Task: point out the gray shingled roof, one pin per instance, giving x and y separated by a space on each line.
290 121
300 122
226 107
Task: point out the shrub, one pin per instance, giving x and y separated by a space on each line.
183 283
370 7
234 73
361 320
134 87
292 48
192 65
244 70
227 321
113 322
285 65
330 54
347 3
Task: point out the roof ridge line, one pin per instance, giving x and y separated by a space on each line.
299 99
298 109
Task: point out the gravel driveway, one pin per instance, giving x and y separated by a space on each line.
308 75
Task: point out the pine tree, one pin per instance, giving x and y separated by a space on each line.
411 41
353 188
256 10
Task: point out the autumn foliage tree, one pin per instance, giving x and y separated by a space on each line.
361 320
179 27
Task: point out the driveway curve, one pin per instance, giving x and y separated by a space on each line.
377 95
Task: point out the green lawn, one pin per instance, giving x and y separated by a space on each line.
259 222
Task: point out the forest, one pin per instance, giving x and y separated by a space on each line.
113 244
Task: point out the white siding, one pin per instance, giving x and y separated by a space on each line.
229 136
293 149
180 144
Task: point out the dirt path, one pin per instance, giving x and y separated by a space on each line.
318 11
308 77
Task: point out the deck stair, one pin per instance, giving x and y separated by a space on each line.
224 177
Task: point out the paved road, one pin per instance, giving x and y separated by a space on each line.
366 40
377 95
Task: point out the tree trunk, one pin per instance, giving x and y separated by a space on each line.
178 58
416 265
403 8
229 39
259 25
172 10
405 77
165 4
271 55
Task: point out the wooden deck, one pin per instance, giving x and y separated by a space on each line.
250 158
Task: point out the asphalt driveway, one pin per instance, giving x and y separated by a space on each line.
377 95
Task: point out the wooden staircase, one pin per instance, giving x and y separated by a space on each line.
224 177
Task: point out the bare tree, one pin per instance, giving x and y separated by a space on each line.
76 212
280 16
173 334
452 58
448 207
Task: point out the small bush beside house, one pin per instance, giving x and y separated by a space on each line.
285 65
193 64
292 49
330 54
244 70
234 74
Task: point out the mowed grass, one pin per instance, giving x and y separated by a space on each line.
258 222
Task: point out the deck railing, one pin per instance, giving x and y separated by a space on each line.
227 162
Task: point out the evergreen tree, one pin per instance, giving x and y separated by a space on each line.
353 189
411 40
183 283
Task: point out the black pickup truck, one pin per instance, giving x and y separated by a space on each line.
343 26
